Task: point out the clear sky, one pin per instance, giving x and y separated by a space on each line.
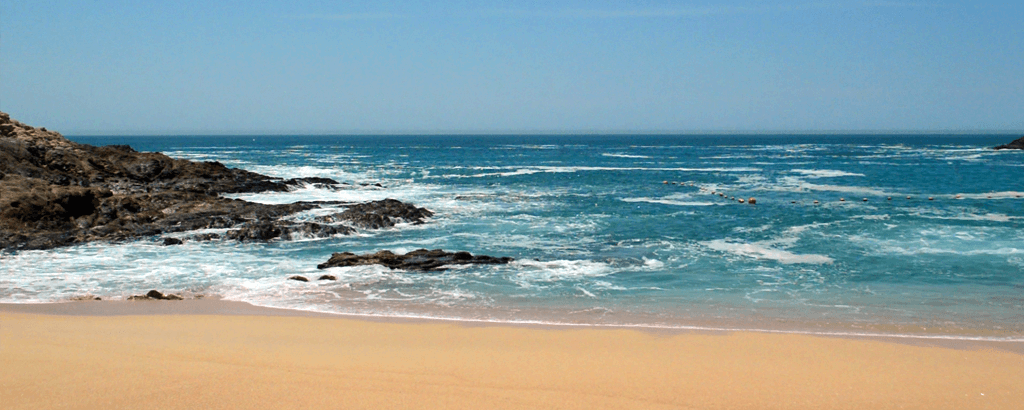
216 67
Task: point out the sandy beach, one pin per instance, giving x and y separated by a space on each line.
216 354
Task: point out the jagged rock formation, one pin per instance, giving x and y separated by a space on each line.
55 192
419 260
1017 144
379 214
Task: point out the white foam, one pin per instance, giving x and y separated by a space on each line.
625 156
653 264
973 217
796 184
529 272
516 171
666 201
824 173
759 251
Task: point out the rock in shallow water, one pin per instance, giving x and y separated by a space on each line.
379 214
419 260
1017 144
172 241
156 295
55 192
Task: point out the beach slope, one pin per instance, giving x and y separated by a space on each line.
275 362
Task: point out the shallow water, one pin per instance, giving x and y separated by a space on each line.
599 238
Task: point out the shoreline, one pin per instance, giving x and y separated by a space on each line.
215 306
219 354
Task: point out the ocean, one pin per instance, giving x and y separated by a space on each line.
899 235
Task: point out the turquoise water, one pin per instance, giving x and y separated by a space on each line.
601 238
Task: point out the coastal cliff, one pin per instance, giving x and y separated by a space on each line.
55 192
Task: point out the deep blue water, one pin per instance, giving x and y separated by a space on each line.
601 238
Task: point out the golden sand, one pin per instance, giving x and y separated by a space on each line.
274 362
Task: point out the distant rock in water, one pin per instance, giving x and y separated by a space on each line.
419 260
1018 144
55 192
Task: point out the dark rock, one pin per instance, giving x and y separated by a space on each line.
315 230
55 192
419 260
205 237
84 298
155 295
1017 144
327 277
298 278
259 231
379 214
172 241
315 181
267 230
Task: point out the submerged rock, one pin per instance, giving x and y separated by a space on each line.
419 260
1016 144
172 241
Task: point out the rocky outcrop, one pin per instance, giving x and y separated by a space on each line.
55 192
379 214
267 230
1018 144
419 260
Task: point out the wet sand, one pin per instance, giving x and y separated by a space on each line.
217 354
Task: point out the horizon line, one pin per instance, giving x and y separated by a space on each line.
552 133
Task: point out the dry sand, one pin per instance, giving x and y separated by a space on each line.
253 358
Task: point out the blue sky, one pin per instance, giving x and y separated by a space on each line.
230 67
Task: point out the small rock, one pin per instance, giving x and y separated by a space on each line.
156 295
418 260
84 298
327 277
172 241
298 278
